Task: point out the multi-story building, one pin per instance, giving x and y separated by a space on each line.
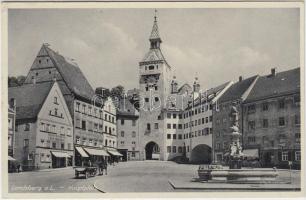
271 118
84 106
221 122
128 130
11 127
43 137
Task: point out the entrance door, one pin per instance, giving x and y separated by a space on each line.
152 151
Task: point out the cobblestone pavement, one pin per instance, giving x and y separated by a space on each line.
134 176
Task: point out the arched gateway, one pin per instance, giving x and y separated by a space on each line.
152 151
201 154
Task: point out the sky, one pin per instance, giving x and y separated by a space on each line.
215 44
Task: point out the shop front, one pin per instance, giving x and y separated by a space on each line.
60 159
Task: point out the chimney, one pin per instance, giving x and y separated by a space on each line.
273 71
240 78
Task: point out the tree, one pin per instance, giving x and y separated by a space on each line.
14 82
117 91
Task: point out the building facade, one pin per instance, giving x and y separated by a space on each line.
221 122
128 131
272 119
85 107
11 127
44 130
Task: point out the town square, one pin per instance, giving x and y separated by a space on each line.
154 100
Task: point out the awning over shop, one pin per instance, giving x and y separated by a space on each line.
60 154
82 152
10 158
114 153
250 153
96 152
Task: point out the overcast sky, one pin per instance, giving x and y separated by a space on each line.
216 44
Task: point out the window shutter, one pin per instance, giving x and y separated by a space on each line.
279 156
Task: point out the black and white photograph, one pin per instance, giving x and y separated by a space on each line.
147 98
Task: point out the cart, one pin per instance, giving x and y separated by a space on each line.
86 171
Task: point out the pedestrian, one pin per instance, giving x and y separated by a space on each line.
18 168
105 166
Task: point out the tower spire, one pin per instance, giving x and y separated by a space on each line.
154 37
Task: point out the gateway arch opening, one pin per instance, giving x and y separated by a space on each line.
201 154
152 151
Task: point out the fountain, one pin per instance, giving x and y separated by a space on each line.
235 173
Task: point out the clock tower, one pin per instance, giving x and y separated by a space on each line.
154 87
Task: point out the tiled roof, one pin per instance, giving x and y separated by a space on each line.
29 98
72 75
282 83
212 92
126 108
237 90
154 33
153 55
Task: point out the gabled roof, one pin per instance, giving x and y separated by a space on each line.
282 83
236 91
184 86
212 92
126 108
72 75
29 98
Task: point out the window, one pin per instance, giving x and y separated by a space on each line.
146 99
122 121
206 119
26 127
180 136
251 108
62 145
83 125
285 156
251 139
155 87
218 146
151 67
69 146
298 156
210 118
180 149
156 99
133 142
148 127
174 149
77 107
203 120
174 126
281 121
174 116
26 143
297 137
265 123
251 125
133 134
265 106
168 149
53 145
168 136
180 126
168 126
174 136
281 104
62 131
297 120
43 127
84 109
180 116
55 100
122 142
122 133
169 115
78 140
133 122
156 125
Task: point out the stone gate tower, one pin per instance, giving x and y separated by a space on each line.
154 87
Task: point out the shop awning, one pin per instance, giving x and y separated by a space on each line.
10 158
250 153
114 153
60 154
82 152
96 152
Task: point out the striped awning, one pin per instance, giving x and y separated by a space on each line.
82 152
114 153
96 152
10 158
59 154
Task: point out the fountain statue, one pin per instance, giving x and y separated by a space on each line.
236 155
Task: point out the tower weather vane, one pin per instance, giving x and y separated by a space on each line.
155 17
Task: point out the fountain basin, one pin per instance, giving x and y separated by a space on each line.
238 175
